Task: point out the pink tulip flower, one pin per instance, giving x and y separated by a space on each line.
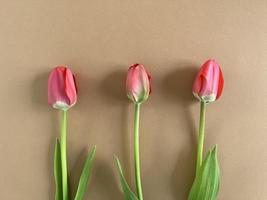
209 82
138 84
62 90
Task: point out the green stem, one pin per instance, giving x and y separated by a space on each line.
63 146
136 152
201 136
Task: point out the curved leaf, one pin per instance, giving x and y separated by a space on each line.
207 182
83 183
57 171
128 194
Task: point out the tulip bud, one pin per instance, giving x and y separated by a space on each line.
62 90
209 82
138 84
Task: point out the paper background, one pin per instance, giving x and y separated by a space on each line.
99 40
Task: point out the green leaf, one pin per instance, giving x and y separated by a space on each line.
83 183
207 182
128 194
57 171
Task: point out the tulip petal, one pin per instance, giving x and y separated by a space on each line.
220 85
56 87
70 87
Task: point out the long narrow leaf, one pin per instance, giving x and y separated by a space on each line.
128 194
57 171
83 183
207 182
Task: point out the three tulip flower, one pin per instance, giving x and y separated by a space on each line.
207 87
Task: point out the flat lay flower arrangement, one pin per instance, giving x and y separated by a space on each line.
62 95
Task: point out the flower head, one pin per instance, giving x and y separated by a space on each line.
209 82
138 84
62 90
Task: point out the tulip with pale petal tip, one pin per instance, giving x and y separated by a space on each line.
138 84
209 82
138 88
62 95
62 89
207 87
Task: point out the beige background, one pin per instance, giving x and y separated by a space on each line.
99 39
